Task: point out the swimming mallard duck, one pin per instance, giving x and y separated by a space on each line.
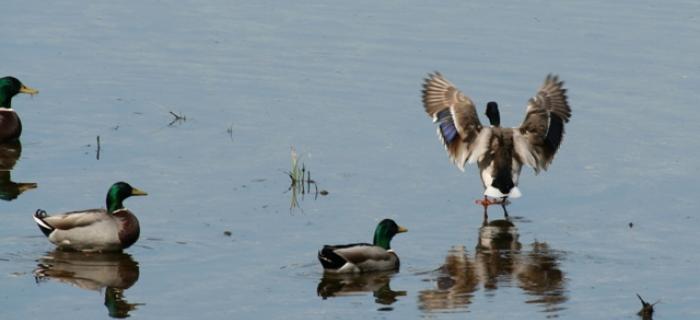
499 152
10 125
364 257
113 229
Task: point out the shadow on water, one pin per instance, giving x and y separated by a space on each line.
9 154
378 283
499 261
114 272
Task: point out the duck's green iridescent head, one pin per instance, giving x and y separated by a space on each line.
118 192
10 87
386 230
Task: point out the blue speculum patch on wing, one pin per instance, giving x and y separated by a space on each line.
448 131
447 126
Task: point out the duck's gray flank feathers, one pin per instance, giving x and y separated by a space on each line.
358 257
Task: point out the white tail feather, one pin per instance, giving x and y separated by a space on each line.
42 223
495 193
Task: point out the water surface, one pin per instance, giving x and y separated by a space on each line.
341 83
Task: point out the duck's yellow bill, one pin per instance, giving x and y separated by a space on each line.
137 192
28 90
402 229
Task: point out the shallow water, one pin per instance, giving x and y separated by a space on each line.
341 83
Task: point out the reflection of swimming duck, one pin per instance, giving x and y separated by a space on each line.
10 190
9 154
113 229
114 272
334 285
89 271
10 125
362 257
499 152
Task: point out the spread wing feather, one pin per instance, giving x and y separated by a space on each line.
539 136
458 122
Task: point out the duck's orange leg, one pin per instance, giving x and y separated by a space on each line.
486 202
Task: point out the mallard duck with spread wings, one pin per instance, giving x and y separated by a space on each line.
499 152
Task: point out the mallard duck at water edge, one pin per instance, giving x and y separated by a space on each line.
99 230
10 125
364 257
499 152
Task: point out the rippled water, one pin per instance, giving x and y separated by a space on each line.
222 234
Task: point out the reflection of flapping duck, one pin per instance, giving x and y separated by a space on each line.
456 282
336 285
114 272
500 258
496 251
9 154
498 261
539 275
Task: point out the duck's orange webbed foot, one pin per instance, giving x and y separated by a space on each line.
485 202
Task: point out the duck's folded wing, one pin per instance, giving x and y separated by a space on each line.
76 219
539 136
361 252
458 124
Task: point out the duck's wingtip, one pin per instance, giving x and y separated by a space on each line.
329 259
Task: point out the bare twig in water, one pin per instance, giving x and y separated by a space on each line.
98 148
176 118
230 131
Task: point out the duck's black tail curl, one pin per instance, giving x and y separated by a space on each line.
39 216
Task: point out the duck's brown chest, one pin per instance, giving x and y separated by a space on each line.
10 125
129 228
